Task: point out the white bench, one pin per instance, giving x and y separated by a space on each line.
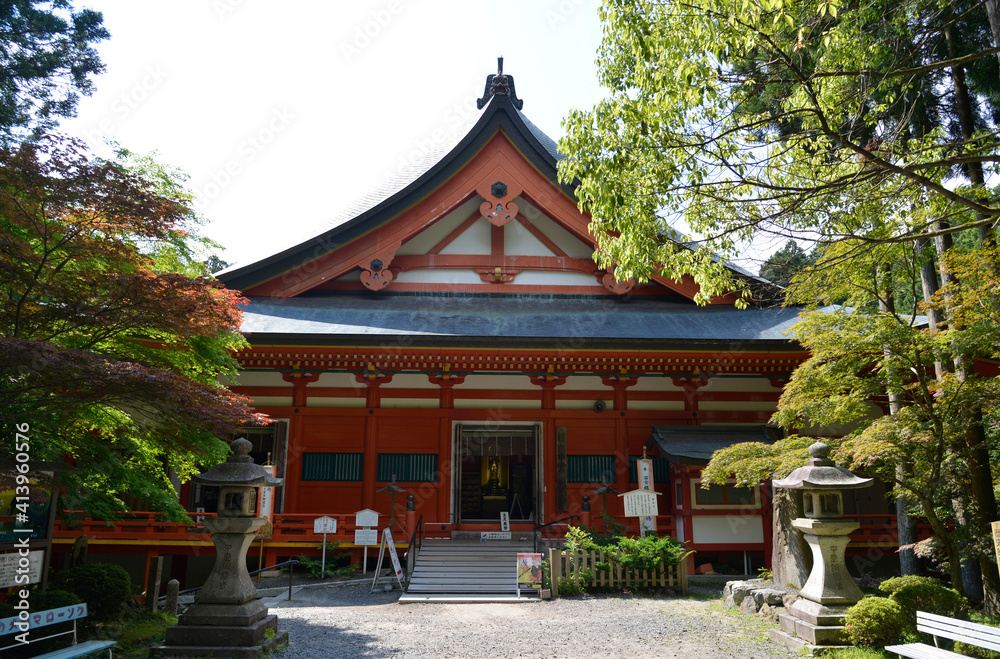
23 632
970 633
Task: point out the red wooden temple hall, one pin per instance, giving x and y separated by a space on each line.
454 333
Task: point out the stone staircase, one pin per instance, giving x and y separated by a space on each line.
463 571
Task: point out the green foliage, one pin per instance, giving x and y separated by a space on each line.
47 60
568 588
105 588
786 263
931 597
112 337
891 585
634 555
338 562
875 622
40 600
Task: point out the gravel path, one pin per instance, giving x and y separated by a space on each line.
351 622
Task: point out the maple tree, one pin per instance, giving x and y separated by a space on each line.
112 336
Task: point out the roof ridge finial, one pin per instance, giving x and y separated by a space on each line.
499 84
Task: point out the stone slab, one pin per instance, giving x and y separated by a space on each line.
224 615
819 634
818 614
253 652
210 635
802 646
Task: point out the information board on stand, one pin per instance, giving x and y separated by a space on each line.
387 541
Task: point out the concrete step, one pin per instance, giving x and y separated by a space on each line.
466 569
445 598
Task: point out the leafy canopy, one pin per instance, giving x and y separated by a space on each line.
112 336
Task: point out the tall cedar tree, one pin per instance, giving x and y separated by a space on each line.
47 60
112 360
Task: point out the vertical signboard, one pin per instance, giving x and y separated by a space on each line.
644 467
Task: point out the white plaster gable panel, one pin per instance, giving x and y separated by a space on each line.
550 278
424 241
474 240
518 241
727 529
514 381
566 241
443 276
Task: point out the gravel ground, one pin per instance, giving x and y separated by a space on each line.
351 622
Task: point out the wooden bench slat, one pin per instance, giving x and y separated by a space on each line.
921 651
78 650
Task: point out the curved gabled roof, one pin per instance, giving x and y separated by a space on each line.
404 190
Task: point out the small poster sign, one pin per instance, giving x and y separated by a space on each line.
325 525
15 573
529 572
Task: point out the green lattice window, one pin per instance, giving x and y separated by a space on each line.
591 469
408 467
332 466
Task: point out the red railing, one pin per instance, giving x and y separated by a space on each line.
150 527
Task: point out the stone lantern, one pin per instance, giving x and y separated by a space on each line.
817 617
226 619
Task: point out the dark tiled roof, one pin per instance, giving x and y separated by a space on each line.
489 320
694 445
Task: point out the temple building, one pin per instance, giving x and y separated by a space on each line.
453 334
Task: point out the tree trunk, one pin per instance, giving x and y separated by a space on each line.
906 525
791 559
993 12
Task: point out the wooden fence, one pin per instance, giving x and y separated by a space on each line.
592 568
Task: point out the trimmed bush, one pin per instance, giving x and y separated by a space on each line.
40 601
875 622
933 598
889 586
106 588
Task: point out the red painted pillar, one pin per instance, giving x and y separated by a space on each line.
373 381
296 432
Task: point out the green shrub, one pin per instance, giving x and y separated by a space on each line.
39 601
875 622
569 588
889 586
105 588
933 598
338 562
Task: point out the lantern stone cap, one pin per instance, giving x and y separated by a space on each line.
238 470
391 488
820 473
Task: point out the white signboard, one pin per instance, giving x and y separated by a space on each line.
265 495
366 517
494 535
366 537
640 503
325 525
14 568
387 538
505 521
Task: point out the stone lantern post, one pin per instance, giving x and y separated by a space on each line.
226 619
817 617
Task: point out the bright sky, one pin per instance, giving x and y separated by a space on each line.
284 113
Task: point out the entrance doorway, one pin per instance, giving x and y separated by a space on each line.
497 471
